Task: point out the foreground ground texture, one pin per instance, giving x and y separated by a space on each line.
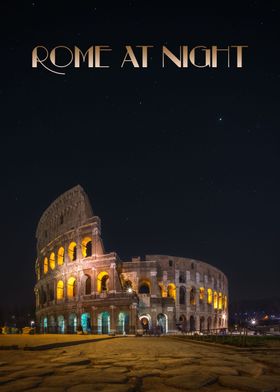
137 364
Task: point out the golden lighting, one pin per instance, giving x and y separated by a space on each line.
46 265
72 251
215 300
209 296
163 290
60 290
102 281
52 260
201 293
220 302
171 291
86 251
71 287
192 296
60 256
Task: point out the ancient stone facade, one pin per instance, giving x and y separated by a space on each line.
79 285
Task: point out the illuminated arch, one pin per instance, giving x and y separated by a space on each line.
220 301
162 290
72 251
209 296
71 287
201 294
102 281
192 296
171 291
52 260
144 287
60 290
46 265
86 247
215 300
60 256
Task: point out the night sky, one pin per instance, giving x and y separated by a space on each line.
175 161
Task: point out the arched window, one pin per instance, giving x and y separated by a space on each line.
60 256
220 301
71 287
59 290
87 247
215 300
52 260
88 285
72 251
102 281
182 295
144 288
46 265
182 278
201 294
171 291
209 296
192 296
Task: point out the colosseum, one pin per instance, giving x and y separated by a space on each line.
82 287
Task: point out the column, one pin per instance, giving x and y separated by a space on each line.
112 319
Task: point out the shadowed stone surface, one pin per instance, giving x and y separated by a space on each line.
139 365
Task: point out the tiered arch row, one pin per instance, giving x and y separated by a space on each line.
80 286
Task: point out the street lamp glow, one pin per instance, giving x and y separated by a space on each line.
253 321
129 290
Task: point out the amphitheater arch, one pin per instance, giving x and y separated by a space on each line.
87 284
201 294
71 287
162 322
209 296
146 322
52 261
46 265
144 287
60 290
72 322
60 324
123 323
202 323
102 281
192 296
85 322
215 300
171 291
86 247
103 323
60 256
192 323
72 251
182 295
